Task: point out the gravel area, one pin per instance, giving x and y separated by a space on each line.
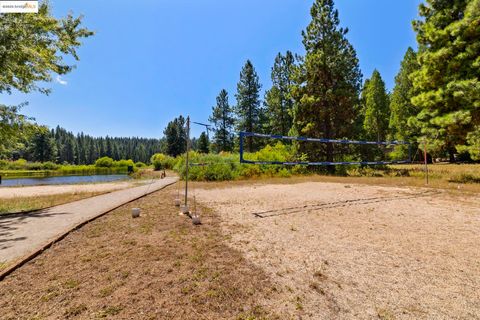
340 251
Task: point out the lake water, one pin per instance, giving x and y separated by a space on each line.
62 180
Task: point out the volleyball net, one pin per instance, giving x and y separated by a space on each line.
244 135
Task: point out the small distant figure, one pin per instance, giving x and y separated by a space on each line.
164 174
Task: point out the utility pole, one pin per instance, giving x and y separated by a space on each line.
207 127
186 162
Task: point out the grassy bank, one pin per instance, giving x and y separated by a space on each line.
26 204
227 167
24 169
64 171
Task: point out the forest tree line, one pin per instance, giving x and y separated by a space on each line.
61 146
435 101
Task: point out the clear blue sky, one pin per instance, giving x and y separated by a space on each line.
152 60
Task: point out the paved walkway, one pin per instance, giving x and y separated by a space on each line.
23 234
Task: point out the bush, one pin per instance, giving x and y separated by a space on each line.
123 163
50 166
104 162
140 164
161 161
227 166
465 178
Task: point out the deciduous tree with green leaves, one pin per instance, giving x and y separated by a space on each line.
447 85
14 127
278 100
32 48
223 120
326 83
248 109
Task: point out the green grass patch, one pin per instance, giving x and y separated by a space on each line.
226 166
465 178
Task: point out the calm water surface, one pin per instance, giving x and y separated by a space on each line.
62 180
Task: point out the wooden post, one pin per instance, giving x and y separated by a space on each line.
426 162
186 161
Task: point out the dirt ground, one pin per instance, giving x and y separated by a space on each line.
158 266
339 251
272 249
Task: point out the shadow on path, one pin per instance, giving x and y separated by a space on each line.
12 222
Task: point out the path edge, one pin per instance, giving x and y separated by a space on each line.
19 263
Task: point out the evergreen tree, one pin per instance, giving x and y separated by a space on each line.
377 109
401 107
278 99
203 143
71 149
326 83
43 147
175 137
92 152
223 119
109 148
116 151
447 84
248 107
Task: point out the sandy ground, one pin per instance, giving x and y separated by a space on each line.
341 251
14 192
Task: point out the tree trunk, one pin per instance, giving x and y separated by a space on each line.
451 153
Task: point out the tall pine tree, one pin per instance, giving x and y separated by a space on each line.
327 83
278 99
447 85
43 146
248 108
377 109
203 143
223 120
175 137
401 106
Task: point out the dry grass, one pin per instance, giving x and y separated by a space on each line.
456 178
158 266
26 204
149 173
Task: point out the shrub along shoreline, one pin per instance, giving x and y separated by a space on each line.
23 169
226 166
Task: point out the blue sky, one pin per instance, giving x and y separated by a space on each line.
152 60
